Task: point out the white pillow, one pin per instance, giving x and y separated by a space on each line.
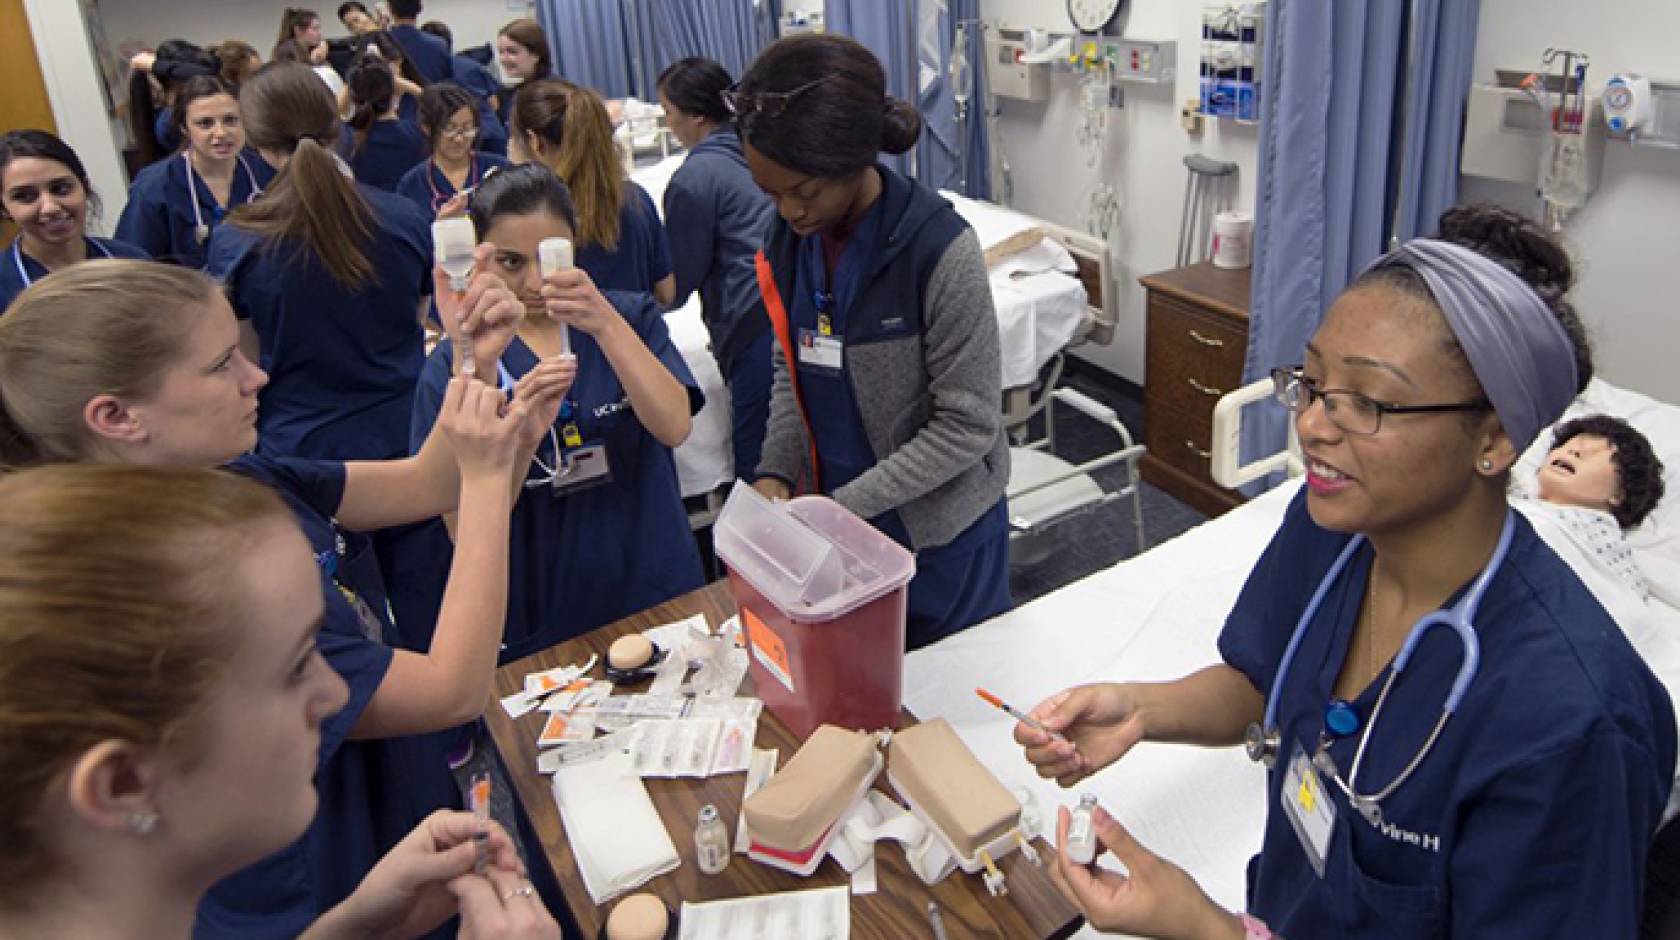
1656 541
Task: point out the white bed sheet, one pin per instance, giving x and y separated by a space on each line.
1038 314
1155 616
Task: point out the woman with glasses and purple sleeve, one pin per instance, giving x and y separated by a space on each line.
887 373
440 184
1460 742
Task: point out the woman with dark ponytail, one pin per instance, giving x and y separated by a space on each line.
887 370
383 146
715 217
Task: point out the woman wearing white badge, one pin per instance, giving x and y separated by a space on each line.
175 204
44 190
1460 740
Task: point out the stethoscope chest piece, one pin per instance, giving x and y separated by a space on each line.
1261 744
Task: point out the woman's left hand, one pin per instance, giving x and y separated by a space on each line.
1155 899
484 318
409 892
573 299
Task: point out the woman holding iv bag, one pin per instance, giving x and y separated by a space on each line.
1459 739
600 503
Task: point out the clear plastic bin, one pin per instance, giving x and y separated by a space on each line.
822 596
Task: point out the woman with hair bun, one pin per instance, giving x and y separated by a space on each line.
887 372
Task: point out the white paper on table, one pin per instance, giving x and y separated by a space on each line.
759 772
616 835
819 914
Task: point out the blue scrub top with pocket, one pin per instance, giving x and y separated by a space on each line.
584 559
426 186
284 893
390 149
341 363
643 255
171 210
1531 815
18 270
957 584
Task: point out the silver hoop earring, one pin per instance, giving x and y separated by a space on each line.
143 824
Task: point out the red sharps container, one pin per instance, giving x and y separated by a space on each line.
822 597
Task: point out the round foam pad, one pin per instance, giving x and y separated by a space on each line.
638 917
630 652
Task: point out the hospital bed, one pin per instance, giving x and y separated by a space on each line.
1047 288
1158 615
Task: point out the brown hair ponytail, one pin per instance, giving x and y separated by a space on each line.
311 205
577 137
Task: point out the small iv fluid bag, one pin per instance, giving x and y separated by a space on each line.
453 241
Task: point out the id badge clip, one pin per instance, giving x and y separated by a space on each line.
1307 805
584 468
821 351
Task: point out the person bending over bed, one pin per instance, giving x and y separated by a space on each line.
1524 808
162 700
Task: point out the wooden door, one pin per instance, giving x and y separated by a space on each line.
23 93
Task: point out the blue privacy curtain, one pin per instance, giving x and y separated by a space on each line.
886 27
662 31
940 152
590 44
1361 117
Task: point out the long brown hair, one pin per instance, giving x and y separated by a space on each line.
577 137
116 605
310 205
235 56
104 327
529 33
294 19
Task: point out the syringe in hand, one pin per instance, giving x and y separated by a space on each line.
453 242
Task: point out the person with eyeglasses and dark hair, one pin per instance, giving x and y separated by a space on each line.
887 368
1459 739
474 77
715 217
439 185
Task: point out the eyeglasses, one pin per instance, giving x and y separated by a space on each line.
457 130
1349 410
770 104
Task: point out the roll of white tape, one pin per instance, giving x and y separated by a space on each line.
1233 240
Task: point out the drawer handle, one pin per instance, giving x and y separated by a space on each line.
1206 340
1192 448
1204 389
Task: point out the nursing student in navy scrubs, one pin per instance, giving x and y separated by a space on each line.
329 278
474 77
522 52
620 240
1526 811
429 54
449 119
174 205
716 215
140 363
382 146
44 190
607 536
887 372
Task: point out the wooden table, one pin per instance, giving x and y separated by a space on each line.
1032 909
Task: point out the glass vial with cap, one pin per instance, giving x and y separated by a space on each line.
711 841
453 241
555 254
1082 832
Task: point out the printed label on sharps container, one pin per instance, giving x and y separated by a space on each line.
768 648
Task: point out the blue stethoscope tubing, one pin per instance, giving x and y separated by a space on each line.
1460 617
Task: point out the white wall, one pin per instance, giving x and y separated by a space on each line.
474 22
1144 160
1625 237
72 79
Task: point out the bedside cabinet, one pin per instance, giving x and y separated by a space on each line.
1197 336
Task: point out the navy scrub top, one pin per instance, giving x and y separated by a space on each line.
1532 814
430 54
643 255
957 584
475 78
341 364
284 893
159 216
390 149
426 186
18 270
586 559
164 131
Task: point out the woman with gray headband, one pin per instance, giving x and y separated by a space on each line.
1460 741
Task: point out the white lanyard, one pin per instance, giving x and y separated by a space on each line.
200 230
23 274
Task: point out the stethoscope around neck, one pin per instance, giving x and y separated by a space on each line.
201 232
439 197
23 272
1262 741
564 466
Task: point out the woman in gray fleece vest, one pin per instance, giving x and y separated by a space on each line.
887 374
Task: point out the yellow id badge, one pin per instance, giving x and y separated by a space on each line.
1307 805
570 435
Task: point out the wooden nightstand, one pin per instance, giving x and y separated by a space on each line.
1198 334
